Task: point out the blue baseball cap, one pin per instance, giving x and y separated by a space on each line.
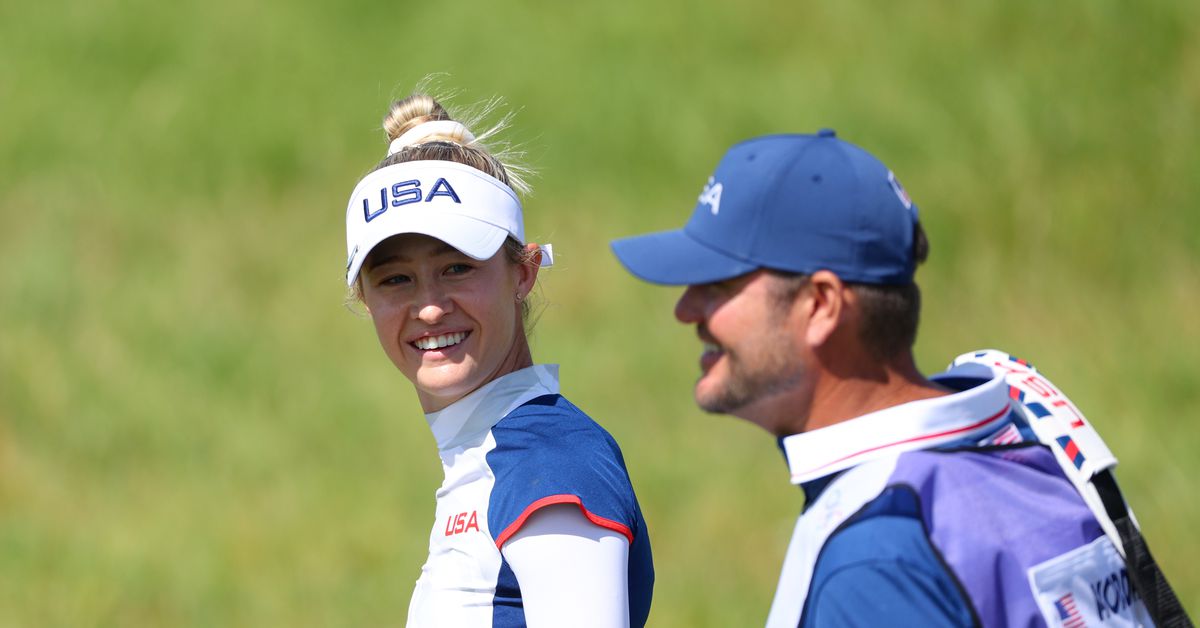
798 203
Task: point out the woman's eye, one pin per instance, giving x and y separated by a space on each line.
393 280
458 269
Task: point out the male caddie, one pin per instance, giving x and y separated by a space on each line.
930 501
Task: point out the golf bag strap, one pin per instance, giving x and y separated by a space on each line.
1148 580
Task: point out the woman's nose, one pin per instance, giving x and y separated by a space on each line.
430 313
432 305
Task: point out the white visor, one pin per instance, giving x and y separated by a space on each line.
455 203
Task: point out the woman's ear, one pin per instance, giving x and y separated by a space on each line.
527 270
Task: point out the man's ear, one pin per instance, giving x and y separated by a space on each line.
826 294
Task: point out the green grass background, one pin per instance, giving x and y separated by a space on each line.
194 431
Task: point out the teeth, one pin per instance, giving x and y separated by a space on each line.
439 342
711 348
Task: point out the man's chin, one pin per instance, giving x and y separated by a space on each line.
713 398
758 409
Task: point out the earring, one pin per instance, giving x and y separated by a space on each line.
520 297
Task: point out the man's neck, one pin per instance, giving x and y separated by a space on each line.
842 394
841 399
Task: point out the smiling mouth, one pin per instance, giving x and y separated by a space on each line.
712 353
430 343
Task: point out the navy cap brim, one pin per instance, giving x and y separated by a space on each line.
673 258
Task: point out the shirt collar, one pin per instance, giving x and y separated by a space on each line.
914 425
477 412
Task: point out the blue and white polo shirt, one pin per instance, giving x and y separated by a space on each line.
508 449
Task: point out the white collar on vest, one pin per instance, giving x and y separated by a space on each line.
906 427
476 413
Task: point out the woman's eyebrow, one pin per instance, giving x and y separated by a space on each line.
373 263
446 249
443 249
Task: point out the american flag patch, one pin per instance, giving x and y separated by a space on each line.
1068 613
1007 436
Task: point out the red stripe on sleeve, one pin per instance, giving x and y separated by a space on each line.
608 524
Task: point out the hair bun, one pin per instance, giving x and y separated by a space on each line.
419 128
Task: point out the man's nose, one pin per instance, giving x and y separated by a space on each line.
688 308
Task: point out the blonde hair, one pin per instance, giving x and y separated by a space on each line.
407 113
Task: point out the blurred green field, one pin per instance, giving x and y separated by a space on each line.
194 430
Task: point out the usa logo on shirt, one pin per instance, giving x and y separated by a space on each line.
460 523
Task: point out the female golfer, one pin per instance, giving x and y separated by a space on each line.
537 523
